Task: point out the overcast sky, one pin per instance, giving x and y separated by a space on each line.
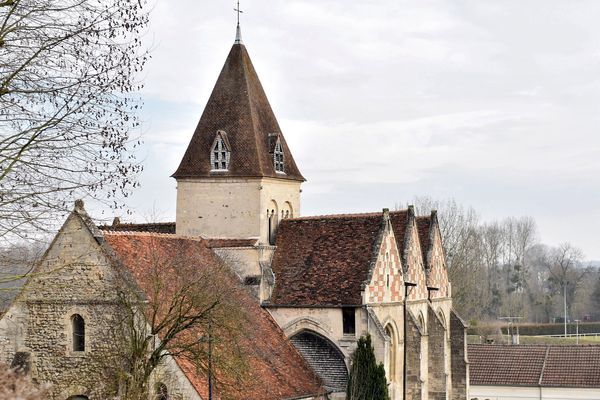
492 103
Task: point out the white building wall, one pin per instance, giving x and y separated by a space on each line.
531 393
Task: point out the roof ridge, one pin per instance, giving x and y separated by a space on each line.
134 223
155 234
344 215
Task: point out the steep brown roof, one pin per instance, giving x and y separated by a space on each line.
276 369
534 365
238 105
324 260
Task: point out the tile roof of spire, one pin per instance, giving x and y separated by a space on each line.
238 106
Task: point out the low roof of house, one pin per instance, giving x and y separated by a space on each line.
571 366
276 368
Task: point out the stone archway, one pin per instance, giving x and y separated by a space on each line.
324 357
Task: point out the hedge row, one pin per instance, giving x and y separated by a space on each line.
537 329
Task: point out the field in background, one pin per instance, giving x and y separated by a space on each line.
474 339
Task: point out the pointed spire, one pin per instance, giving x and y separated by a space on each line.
238 106
238 35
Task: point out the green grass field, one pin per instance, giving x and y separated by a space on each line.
545 340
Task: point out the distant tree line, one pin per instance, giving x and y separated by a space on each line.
500 269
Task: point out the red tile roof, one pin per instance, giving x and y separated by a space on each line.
157 227
238 105
276 369
324 260
534 365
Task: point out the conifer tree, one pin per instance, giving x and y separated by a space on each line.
367 378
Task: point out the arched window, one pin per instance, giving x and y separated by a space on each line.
422 325
162 393
272 220
287 211
78 329
391 368
324 357
219 153
272 217
79 397
278 157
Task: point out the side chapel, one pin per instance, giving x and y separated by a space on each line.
325 280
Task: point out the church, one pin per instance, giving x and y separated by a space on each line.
312 285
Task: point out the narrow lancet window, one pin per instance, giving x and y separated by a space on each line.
78 328
220 153
278 157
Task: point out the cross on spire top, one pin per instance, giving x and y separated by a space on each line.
238 31
238 11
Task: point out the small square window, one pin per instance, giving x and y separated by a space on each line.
349 321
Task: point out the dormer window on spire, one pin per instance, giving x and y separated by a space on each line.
278 157
220 153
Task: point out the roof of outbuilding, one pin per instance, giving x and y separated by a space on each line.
277 370
238 106
324 260
535 365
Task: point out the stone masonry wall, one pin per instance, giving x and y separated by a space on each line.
436 357
75 277
460 373
413 360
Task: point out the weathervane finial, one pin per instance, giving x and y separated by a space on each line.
238 32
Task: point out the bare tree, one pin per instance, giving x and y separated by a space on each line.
181 307
459 227
491 246
67 106
566 272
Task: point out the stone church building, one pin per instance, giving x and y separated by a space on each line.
315 283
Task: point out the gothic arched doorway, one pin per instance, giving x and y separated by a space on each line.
324 357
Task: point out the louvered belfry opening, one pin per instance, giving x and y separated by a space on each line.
322 355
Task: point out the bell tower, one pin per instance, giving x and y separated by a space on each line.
237 178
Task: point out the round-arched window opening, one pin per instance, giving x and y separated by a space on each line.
324 357
78 397
162 393
78 329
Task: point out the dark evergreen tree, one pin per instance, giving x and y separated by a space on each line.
367 378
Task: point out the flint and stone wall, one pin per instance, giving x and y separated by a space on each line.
75 277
